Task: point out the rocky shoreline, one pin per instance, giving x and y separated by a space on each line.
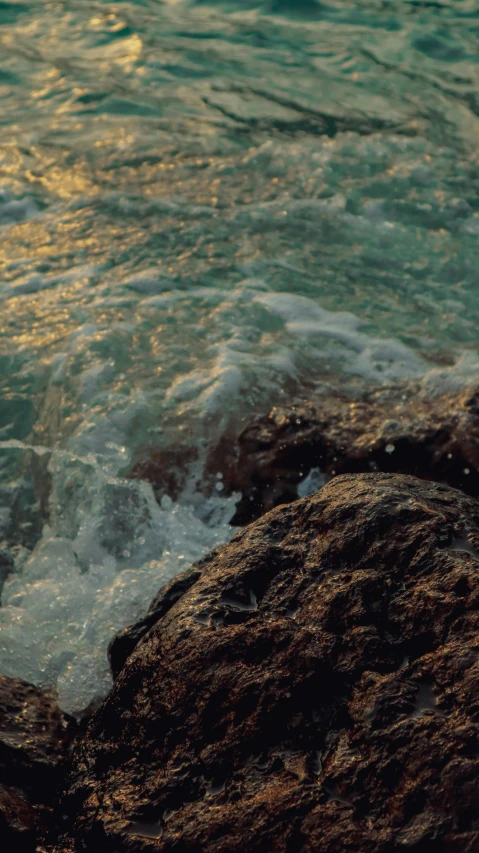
387 430
310 686
400 430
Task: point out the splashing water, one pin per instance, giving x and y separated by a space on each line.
109 546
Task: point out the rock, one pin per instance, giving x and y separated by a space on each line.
35 737
166 469
311 688
125 642
394 431
18 821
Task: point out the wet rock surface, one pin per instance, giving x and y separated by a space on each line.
124 643
389 430
19 823
35 738
312 687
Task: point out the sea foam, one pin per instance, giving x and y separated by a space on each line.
108 549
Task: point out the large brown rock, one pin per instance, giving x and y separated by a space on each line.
391 430
312 689
35 738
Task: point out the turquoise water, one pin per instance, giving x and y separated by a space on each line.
205 206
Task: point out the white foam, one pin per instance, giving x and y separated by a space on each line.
164 300
314 481
98 374
294 309
59 368
149 282
37 282
377 359
95 570
448 380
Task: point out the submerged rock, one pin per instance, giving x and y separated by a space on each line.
34 744
311 688
395 431
165 468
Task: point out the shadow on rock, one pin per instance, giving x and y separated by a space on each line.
35 739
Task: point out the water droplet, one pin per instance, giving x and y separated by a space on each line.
390 448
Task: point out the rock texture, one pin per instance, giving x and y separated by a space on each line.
19 822
312 688
125 642
390 430
34 742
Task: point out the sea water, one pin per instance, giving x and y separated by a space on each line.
205 207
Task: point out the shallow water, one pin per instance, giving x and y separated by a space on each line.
205 206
